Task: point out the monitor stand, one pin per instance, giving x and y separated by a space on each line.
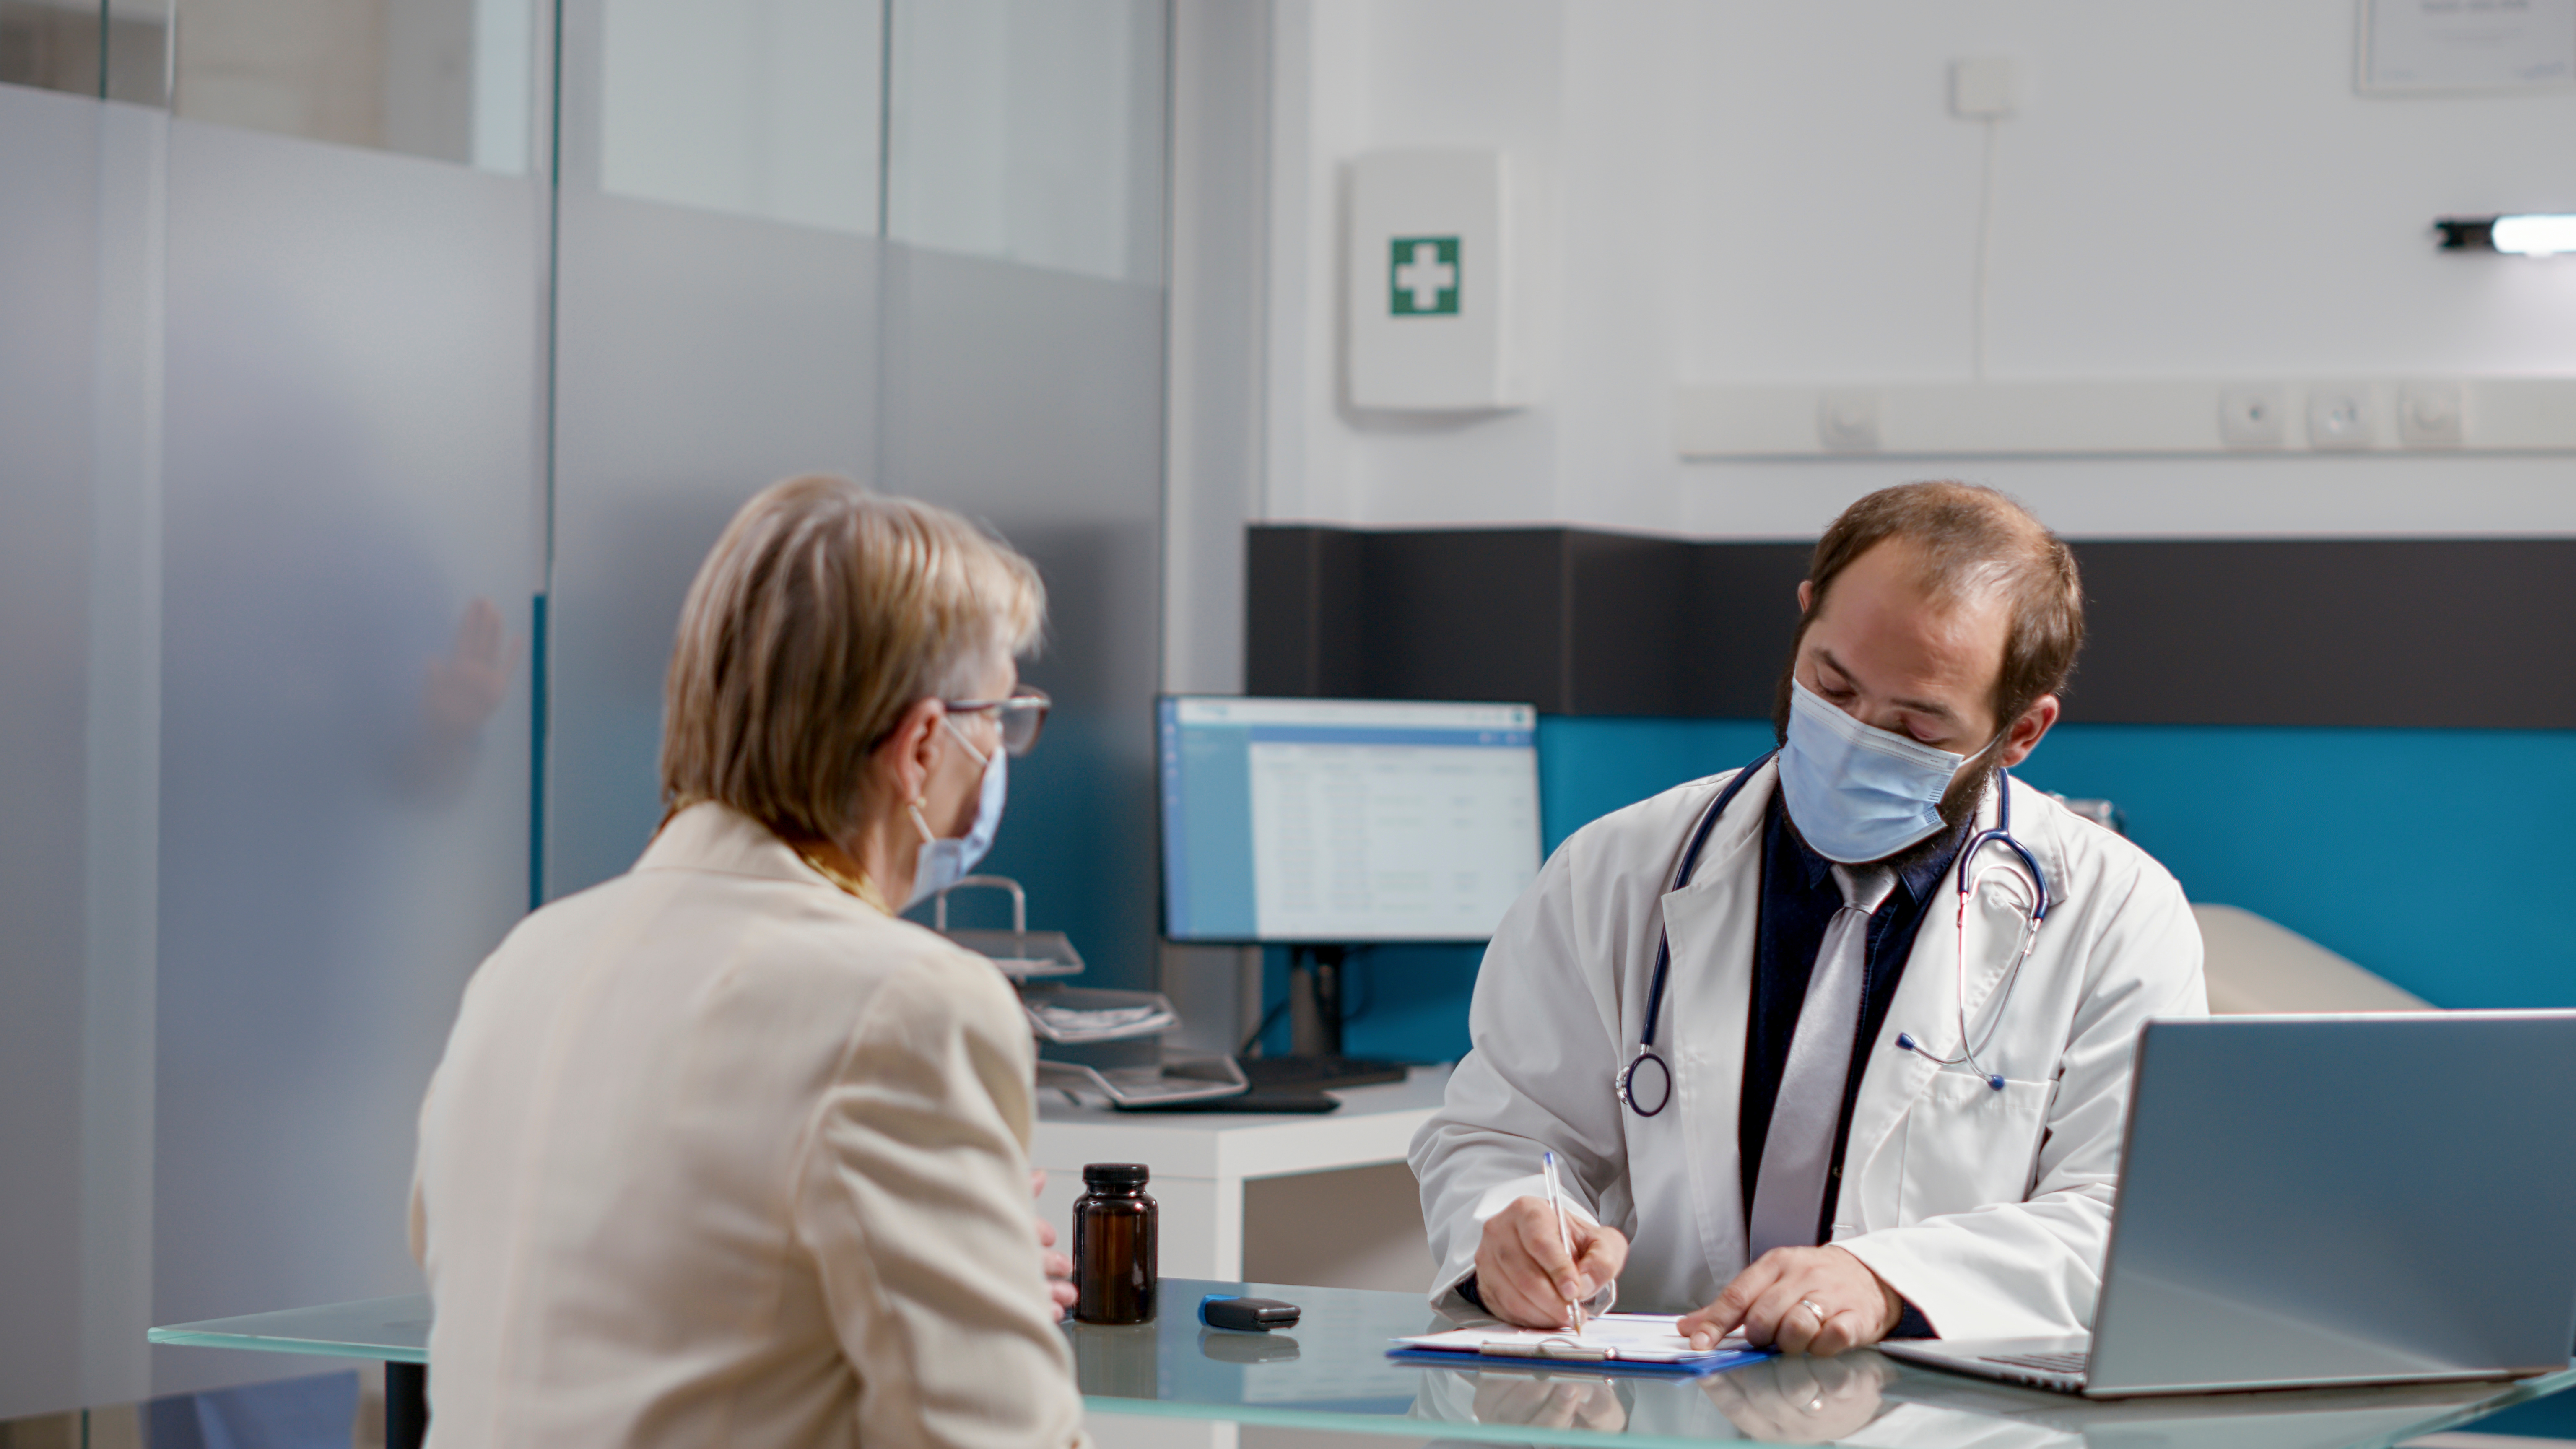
1315 1061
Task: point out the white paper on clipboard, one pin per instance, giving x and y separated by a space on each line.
1623 1337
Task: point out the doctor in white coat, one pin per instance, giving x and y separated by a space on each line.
1893 1108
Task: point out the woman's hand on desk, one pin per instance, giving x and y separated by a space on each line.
1059 1268
1523 1274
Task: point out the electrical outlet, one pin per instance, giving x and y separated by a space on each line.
2253 415
1847 421
2429 415
2340 418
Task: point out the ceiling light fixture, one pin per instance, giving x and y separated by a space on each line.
2524 235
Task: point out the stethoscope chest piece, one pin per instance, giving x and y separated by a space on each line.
1646 1083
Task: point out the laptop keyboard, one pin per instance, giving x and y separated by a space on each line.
2051 1363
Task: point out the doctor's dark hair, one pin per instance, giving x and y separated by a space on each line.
823 613
1975 542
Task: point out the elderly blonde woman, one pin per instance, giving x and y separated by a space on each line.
721 1151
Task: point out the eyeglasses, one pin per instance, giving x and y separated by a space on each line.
1020 717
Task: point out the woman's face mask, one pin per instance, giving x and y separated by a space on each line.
1855 792
943 863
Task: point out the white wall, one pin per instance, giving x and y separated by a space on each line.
1726 191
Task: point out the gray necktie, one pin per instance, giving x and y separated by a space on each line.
1789 1194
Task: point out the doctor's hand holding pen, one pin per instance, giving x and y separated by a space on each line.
1525 1274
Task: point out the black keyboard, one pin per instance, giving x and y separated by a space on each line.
1318 1073
2050 1363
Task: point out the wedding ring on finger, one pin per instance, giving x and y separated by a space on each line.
1809 1304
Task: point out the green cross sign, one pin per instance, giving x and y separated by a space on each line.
1422 275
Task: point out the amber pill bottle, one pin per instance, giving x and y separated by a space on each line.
1113 1245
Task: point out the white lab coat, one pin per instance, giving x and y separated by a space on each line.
1988 1210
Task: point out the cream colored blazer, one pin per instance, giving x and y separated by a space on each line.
719 1155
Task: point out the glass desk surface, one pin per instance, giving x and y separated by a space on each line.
389 1330
1330 1372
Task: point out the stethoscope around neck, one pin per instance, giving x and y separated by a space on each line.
1647 1092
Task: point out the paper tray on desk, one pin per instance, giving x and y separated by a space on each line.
1083 998
1023 955
1178 1077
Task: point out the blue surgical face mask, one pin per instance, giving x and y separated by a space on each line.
943 863
1858 793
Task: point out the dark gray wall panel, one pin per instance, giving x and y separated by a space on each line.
2400 632
1301 588
1465 615
1634 643
1746 609
1575 622
2428 632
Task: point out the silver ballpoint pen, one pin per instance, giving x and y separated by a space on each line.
1564 1233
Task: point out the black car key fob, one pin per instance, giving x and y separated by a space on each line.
1251 1315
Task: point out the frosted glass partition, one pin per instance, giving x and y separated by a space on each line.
352 439
450 79
1033 398
700 357
48 293
766 108
1030 131
703 355
285 520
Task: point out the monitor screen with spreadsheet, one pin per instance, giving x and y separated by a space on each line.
1331 820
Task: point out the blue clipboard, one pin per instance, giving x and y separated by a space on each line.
1691 1368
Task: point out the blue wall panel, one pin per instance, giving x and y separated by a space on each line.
2428 856
2432 857
1590 767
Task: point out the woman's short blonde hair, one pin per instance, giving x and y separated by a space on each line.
822 614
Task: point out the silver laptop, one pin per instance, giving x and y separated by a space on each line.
2328 1200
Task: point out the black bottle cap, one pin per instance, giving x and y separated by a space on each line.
1114 1174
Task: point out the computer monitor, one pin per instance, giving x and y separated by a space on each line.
1344 821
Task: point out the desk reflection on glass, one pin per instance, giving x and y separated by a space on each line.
1332 1374
1780 1400
1802 1400
1116 1360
